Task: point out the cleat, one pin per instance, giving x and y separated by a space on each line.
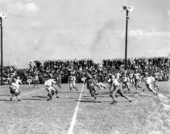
155 94
57 97
130 100
143 89
113 102
10 99
19 99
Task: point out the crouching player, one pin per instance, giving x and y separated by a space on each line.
49 84
14 88
115 88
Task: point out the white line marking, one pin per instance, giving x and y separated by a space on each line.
70 131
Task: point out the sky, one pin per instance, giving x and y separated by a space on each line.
68 29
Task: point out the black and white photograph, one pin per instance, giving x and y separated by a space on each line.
84 66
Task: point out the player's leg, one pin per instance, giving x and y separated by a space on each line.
34 81
17 94
91 90
49 93
127 85
137 85
149 87
56 92
95 90
12 91
74 85
12 95
155 85
37 83
113 93
102 86
110 88
123 95
71 85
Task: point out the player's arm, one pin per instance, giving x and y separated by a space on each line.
20 82
120 80
58 85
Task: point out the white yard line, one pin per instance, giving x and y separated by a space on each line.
73 121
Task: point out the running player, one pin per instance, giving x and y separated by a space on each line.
149 81
72 81
91 85
115 88
137 79
36 79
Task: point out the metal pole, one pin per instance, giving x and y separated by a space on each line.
1 50
126 39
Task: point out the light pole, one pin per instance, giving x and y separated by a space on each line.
126 9
2 16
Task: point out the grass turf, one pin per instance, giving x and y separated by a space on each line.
35 115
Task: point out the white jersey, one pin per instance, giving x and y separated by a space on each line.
153 79
125 79
49 82
117 75
116 82
137 76
111 79
131 76
15 85
149 80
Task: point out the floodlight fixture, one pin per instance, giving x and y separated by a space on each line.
3 15
127 8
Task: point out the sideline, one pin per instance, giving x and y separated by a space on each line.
73 121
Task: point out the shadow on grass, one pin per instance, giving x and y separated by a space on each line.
32 99
5 95
4 100
89 101
105 93
39 97
69 98
69 92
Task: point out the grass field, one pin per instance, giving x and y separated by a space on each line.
78 113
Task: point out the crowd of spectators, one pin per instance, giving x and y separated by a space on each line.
60 68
